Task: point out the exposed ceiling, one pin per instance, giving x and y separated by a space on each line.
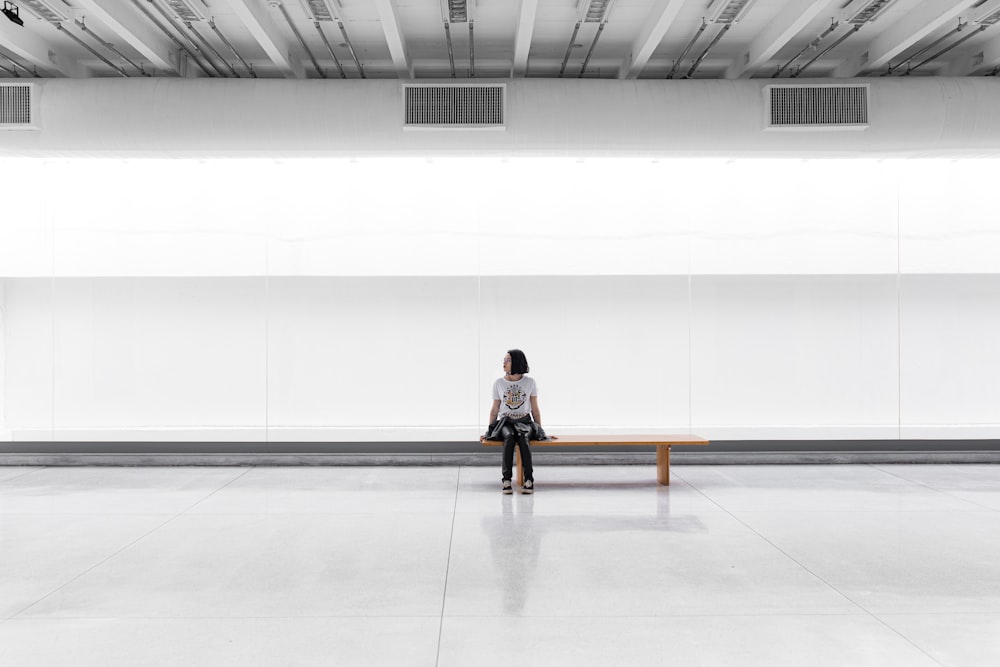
645 39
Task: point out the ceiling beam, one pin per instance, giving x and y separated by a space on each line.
659 20
991 57
988 57
918 23
522 38
981 61
389 15
788 24
262 25
28 47
138 33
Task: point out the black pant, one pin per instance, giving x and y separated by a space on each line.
511 437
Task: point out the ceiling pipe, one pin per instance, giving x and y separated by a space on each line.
109 46
811 45
854 29
347 42
16 64
924 50
10 72
472 50
336 61
328 10
697 61
298 36
451 52
204 53
690 44
590 51
60 28
948 48
180 32
211 22
569 48
208 45
152 19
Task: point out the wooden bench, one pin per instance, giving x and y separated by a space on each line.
662 442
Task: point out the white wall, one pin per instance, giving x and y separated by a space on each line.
461 217
373 359
909 116
308 359
29 358
608 352
143 356
331 300
4 432
950 363
795 356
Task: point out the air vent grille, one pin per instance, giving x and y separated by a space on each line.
455 106
818 106
596 10
458 11
319 10
188 10
15 105
52 11
870 11
990 19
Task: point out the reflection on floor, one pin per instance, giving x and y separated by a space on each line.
730 565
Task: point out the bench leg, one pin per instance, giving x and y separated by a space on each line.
520 469
663 464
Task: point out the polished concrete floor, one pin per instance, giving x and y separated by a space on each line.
730 565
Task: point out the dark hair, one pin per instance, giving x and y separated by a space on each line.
518 362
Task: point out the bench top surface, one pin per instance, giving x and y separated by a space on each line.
644 439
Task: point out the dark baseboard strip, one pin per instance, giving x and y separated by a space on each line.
475 448
749 452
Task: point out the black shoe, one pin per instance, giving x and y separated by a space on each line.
507 488
529 486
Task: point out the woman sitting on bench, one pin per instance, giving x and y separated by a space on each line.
515 418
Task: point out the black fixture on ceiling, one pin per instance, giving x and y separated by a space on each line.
11 11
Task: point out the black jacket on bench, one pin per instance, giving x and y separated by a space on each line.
495 430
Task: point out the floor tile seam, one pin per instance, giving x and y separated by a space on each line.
855 489
388 512
24 474
74 619
789 557
437 617
88 514
92 567
893 614
895 511
447 567
971 506
928 486
906 639
471 517
834 588
121 550
851 614
213 492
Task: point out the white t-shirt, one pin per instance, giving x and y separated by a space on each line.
515 396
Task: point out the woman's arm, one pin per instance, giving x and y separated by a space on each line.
495 410
536 414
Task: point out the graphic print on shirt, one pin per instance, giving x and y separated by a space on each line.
514 397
